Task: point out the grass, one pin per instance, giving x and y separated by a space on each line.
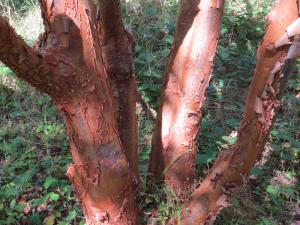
34 146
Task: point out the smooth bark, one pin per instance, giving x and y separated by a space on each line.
232 167
184 92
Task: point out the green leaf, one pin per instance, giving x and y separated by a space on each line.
208 157
25 177
72 215
41 200
1 206
11 191
286 136
151 11
224 30
232 122
57 214
5 71
12 203
296 144
232 140
20 207
82 222
257 171
273 190
48 182
149 86
54 196
274 133
169 39
267 221
287 156
35 219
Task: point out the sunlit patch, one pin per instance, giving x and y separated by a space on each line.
8 82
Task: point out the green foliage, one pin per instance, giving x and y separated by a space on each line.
17 6
154 26
158 201
33 158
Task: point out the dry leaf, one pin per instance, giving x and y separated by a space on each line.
49 220
286 145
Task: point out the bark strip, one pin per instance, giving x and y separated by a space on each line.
232 167
184 92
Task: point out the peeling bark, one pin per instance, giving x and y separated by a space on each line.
25 61
85 63
68 65
118 54
232 167
184 92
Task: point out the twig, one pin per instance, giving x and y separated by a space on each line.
150 111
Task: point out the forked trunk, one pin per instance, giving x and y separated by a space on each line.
80 58
68 65
232 167
184 92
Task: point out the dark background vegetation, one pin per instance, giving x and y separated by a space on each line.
34 146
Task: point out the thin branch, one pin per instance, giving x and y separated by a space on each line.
150 111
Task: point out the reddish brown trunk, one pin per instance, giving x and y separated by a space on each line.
186 80
118 55
232 166
100 172
69 67
23 60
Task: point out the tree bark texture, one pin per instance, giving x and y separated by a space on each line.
68 65
117 46
184 92
232 167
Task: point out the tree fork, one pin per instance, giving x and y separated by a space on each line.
68 65
232 167
25 61
184 92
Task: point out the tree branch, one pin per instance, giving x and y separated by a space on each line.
187 77
22 59
232 167
110 28
149 111
117 48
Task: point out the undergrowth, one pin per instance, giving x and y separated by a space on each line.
34 145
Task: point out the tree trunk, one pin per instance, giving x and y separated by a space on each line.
118 54
100 172
184 92
68 65
232 167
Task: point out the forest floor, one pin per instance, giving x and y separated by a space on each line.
34 150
